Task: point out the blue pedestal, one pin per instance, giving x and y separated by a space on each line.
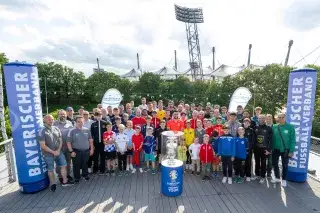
299 177
171 178
30 188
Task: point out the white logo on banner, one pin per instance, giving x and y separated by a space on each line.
111 98
240 97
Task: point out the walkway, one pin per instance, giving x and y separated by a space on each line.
141 193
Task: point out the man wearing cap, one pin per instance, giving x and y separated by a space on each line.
64 126
70 113
97 129
80 145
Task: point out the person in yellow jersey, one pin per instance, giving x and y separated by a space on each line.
189 136
161 113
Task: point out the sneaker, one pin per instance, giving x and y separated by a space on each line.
241 180
120 174
126 173
61 180
133 171
141 170
68 183
53 187
215 174
258 177
192 173
269 176
113 173
208 178
127 169
262 180
153 172
89 170
275 180
204 178
146 169
284 183
248 179
108 173
101 173
236 179
70 178
253 178
198 173
224 179
229 180
86 178
76 181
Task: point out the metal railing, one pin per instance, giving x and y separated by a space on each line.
10 161
315 144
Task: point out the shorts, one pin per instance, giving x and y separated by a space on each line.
129 152
216 160
149 157
111 155
60 161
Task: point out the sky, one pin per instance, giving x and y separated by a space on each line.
76 32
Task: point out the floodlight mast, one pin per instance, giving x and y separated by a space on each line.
191 17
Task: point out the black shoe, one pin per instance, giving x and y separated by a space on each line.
198 173
208 178
53 187
86 178
192 173
61 180
204 178
68 183
76 181
70 178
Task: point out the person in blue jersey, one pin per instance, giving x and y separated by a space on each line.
249 133
115 127
241 144
149 148
226 153
216 160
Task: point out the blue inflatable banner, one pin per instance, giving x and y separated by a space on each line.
300 110
24 100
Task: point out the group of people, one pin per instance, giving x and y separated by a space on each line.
127 139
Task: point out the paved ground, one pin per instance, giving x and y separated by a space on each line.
141 193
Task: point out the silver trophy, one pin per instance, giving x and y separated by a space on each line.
172 144
169 145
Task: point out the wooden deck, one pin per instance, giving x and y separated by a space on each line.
141 193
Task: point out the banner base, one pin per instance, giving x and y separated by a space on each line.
171 178
30 188
297 177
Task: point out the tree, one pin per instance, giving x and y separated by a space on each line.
149 84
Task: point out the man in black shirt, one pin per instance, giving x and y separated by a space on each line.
262 148
158 134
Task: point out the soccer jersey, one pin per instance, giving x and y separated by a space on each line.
109 135
161 114
195 150
137 140
175 125
110 147
149 144
122 140
138 121
189 136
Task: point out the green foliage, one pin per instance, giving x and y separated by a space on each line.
55 114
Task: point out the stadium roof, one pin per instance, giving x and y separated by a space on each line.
167 71
132 74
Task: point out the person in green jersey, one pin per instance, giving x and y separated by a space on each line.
284 141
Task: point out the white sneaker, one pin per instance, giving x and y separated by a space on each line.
248 179
127 168
262 180
131 167
275 180
229 180
224 179
141 170
284 183
253 178
89 170
133 170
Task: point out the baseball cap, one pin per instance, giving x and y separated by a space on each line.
69 109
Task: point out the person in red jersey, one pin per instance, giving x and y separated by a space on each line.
155 121
175 124
208 127
138 120
194 119
218 127
206 157
137 140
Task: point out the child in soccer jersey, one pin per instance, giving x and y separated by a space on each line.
206 156
216 160
149 147
241 144
110 148
194 150
115 127
145 127
129 132
189 136
122 145
226 153
137 140
182 152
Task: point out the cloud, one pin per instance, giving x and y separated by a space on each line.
303 15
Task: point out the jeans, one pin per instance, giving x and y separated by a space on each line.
122 161
67 156
80 161
284 160
60 161
248 164
226 166
261 163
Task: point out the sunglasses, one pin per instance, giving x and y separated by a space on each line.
281 117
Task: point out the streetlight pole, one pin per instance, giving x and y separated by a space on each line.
45 88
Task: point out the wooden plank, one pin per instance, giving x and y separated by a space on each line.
221 203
